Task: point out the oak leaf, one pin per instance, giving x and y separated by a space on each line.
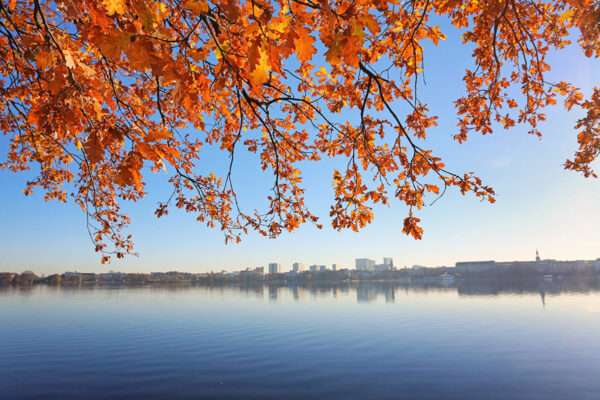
257 60
304 44
115 6
93 148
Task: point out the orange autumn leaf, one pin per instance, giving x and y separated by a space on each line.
304 44
197 6
115 6
258 63
93 149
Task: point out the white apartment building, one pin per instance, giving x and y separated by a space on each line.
298 267
364 264
274 268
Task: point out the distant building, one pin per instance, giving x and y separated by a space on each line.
470 267
256 273
7 277
298 267
382 267
113 276
364 264
88 277
334 267
417 270
322 268
274 268
313 268
388 261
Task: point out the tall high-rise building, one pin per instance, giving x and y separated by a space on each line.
388 261
322 268
364 264
297 267
313 268
274 268
334 267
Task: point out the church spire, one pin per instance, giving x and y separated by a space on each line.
537 255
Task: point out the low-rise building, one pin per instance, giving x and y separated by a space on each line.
88 277
474 267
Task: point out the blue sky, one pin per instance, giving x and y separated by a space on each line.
539 205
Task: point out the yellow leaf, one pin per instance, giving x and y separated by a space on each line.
115 6
69 59
197 6
259 68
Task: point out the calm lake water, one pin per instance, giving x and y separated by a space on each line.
376 341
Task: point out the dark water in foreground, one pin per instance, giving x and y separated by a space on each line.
479 341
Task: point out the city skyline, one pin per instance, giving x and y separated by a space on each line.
360 264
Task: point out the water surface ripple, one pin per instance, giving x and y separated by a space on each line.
367 341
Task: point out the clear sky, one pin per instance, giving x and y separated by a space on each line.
539 205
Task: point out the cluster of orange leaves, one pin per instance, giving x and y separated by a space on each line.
96 93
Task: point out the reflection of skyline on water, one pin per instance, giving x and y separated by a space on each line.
363 292
388 292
